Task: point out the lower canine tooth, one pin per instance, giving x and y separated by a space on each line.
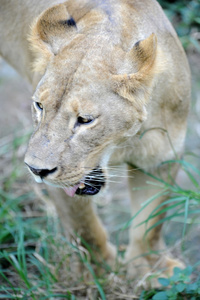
81 186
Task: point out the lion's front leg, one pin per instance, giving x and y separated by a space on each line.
78 217
139 255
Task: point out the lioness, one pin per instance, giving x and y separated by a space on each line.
112 85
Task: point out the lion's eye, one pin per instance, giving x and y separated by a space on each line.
84 121
39 105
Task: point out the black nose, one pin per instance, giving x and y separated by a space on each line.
41 172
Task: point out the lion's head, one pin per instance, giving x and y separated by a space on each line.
92 95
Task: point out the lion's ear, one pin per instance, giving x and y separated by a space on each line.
49 33
142 57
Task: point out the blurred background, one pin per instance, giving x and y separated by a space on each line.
26 219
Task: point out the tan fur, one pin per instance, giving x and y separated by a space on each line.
122 64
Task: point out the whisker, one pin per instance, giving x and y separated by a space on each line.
88 183
99 176
109 166
121 175
117 169
100 180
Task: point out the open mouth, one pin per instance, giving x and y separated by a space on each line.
93 182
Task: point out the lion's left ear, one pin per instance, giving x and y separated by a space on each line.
136 86
49 32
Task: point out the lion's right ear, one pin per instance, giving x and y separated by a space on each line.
48 34
135 86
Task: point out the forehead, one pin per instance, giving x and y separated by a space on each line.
75 92
80 71
83 55
80 106
77 73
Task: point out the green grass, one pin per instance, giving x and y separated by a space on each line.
184 15
37 261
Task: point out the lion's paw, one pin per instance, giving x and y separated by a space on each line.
146 274
137 268
168 264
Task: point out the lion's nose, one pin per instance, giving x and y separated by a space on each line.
41 172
